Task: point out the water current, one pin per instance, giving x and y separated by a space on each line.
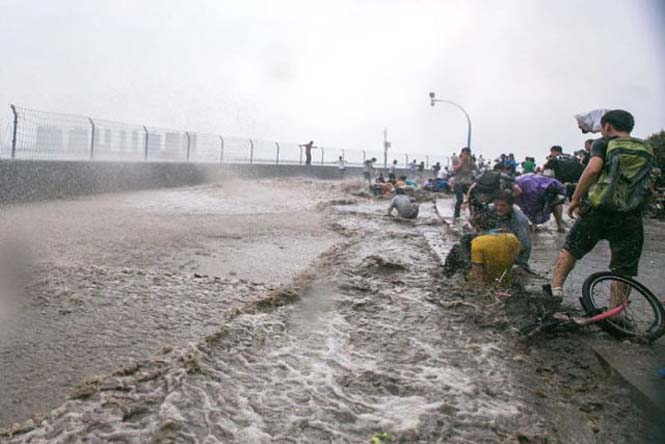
359 351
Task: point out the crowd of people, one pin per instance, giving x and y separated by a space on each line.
606 185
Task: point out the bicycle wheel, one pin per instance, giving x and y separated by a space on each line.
644 317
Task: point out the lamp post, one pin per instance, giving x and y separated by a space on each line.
433 100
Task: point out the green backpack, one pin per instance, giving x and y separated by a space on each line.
624 182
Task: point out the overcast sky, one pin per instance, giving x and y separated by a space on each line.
340 71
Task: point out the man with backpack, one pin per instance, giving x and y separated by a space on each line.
617 180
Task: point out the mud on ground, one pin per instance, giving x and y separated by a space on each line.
369 341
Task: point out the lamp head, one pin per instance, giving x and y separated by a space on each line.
432 95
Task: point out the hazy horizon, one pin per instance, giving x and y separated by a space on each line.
340 72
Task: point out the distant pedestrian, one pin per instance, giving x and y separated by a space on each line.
421 172
435 169
308 151
464 170
529 165
392 172
368 171
341 166
413 166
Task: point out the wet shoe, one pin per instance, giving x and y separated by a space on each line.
557 294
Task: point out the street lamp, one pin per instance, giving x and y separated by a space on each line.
433 100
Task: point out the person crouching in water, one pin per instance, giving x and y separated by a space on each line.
406 208
539 197
506 216
486 255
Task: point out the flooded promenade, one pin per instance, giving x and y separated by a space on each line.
268 311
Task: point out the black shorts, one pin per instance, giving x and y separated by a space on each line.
624 232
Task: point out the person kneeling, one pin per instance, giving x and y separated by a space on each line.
493 254
402 203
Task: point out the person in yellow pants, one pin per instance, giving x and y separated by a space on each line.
493 254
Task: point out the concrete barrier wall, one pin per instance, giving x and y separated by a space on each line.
25 181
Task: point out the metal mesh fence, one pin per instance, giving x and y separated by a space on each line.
118 141
41 135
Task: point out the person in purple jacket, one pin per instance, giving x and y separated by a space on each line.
538 197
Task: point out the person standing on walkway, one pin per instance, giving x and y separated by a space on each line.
308 151
617 180
463 170
368 171
413 166
392 171
341 166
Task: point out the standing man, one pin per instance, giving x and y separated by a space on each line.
617 179
341 166
435 169
308 151
368 171
392 171
421 172
413 166
463 170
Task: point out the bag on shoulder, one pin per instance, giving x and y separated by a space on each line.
569 169
623 185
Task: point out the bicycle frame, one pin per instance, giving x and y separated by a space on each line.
604 315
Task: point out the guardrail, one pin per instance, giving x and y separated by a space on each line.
42 135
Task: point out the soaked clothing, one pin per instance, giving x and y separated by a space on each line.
405 208
624 231
496 253
518 224
464 175
538 195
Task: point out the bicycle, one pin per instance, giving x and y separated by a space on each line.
620 305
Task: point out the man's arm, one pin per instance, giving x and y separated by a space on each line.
589 177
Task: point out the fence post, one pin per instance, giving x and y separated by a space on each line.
426 161
300 163
251 151
188 144
364 156
343 157
14 130
277 144
406 156
145 157
322 155
221 151
92 139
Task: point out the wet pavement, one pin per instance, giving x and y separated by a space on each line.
368 339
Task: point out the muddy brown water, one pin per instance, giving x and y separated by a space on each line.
370 339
